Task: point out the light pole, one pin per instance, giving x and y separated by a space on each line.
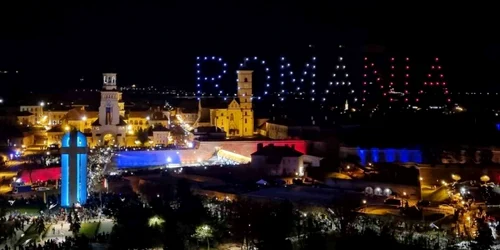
84 119
42 104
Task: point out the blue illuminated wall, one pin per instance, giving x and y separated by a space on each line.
73 169
138 159
389 155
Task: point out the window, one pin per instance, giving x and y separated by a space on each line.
246 113
246 80
245 120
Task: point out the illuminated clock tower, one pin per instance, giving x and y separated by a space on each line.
109 129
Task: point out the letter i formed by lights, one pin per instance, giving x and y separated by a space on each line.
214 80
407 79
340 81
435 80
392 77
299 87
248 60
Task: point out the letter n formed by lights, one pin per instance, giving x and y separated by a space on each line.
73 169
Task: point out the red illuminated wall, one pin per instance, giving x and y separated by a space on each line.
43 174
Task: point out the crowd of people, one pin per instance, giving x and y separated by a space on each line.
67 243
93 211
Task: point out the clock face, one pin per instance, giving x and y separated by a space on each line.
108 104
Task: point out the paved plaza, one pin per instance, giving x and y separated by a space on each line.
60 230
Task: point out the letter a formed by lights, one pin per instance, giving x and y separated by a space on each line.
73 169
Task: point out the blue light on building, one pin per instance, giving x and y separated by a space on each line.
73 169
144 159
389 155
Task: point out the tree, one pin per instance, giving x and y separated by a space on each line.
240 218
74 222
354 159
486 156
190 212
142 136
272 224
484 239
204 232
315 241
343 211
40 227
471 154
30 167
132 230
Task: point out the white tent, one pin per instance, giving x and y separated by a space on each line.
262 182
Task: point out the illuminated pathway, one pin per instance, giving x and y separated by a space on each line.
224 154
184 126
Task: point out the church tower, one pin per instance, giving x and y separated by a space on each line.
109 129
245 100
110 110
109 84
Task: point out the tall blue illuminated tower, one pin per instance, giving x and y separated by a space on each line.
73 169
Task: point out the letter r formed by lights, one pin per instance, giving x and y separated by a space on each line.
73 169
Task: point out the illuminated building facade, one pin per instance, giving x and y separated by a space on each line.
237 119
73 169
109 128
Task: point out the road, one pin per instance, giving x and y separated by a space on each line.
12 241
106 226
380 210
61 229
6 175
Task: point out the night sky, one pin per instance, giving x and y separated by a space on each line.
148 43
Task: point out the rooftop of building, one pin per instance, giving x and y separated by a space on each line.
56 129
277 151
157 114
252 138
158 128
24 113
120 123
192 105
81 113
207 129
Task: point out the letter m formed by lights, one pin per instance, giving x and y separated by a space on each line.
73 169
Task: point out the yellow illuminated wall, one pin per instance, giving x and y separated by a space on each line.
237 120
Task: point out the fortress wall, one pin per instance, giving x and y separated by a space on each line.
204 151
